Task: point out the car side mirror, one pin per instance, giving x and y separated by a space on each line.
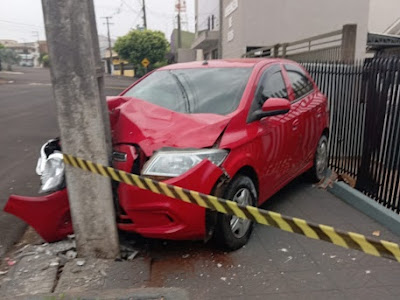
272 107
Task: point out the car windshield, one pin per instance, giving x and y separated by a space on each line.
208 90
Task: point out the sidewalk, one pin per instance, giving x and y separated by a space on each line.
274 265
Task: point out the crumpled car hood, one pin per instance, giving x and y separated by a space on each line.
152 127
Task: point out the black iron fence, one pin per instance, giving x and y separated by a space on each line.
364 102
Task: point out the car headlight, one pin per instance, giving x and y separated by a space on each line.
51 172
172 163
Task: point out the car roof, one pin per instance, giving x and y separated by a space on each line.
225 63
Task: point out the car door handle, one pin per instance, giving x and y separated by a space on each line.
295 124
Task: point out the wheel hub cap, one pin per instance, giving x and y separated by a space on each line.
322 159
240 226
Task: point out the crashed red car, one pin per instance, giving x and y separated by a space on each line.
240 129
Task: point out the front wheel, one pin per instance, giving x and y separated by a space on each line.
231 232
318 171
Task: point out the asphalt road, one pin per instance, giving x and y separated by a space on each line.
28 119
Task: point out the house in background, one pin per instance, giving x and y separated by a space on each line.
249 25
29 52
119 67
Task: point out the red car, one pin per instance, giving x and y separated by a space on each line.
240 129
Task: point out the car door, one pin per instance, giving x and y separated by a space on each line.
273 132
304 125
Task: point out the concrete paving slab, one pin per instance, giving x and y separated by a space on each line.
31 275
99 274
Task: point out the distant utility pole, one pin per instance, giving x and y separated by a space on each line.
144 15
221 35
109 61
78 82
179 26
37 61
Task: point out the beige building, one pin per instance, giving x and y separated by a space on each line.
247 25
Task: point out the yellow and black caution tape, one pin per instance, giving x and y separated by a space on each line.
311 230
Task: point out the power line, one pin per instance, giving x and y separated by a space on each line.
130 7
24 24
135 20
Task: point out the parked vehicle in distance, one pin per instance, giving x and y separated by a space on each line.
240 129
26 60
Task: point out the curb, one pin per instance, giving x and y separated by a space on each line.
367 205
116 294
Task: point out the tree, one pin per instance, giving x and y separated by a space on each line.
44 60
1 46
9 56
137 45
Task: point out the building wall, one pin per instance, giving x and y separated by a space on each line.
233 29
268 22
382 14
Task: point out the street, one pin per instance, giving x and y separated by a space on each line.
28 119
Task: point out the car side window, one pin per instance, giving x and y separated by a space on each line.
271 85
300 83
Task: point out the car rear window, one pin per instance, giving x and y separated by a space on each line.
205 90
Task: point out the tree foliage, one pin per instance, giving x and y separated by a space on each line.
1 46
44 60
137 45
9 56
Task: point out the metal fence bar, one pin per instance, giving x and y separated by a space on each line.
364 104
386 141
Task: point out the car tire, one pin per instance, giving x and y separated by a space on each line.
319 170
231 232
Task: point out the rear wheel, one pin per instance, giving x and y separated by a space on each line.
231 232
319 170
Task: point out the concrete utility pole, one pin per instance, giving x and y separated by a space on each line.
179 26
77 78
221 35
109 61
144 15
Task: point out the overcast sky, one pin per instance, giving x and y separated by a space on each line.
21 19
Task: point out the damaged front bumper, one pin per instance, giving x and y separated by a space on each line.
49 215
141 211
